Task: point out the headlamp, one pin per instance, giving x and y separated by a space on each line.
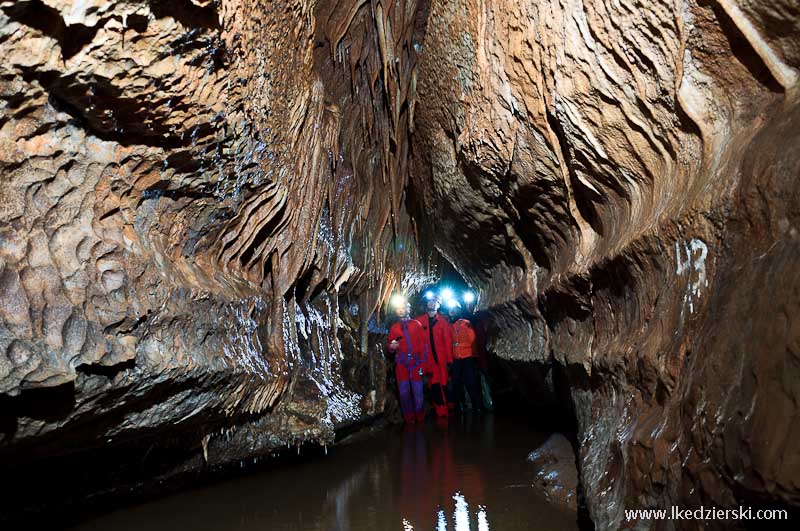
428 295
397 300
451 303
469 297
447 294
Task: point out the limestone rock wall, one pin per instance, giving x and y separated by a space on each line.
203 201
630 170
190 190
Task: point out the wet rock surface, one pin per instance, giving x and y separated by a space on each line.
201 207
556 477
630 169
203 202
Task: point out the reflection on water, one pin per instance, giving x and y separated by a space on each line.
483 523
467 475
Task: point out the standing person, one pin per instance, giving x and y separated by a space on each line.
440 341
408 343
479 325
465 365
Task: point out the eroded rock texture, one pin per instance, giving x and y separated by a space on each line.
630 170
554 474
191 190
204 201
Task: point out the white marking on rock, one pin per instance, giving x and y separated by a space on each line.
691 260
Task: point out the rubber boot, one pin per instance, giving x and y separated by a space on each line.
441 410
409 418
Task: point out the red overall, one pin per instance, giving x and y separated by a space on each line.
411 360
439 336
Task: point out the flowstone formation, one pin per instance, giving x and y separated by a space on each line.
630 169
202 204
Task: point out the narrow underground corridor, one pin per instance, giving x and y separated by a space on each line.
210 208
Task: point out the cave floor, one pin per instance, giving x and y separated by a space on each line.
470 474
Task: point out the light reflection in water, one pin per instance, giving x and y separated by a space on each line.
441 522
435 473
442 477
461 514
460 517
483 521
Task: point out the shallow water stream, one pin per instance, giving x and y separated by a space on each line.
470 475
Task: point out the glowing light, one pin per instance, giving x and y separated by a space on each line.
451 303
447 294
428 294
397 300
461 514
469 297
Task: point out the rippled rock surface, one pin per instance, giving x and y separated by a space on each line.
203 202
201 206
630 169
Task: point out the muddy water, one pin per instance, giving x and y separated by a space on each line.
470 475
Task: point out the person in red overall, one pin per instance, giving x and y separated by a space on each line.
440 341
407 341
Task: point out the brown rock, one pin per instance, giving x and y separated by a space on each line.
190 191
556 476
629 170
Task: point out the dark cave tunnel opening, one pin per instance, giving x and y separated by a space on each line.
530 405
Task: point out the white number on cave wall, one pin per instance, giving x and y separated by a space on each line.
691 258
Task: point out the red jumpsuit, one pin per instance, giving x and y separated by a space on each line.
439 336
411 360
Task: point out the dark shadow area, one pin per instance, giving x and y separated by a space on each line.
189 14
107 371
49 404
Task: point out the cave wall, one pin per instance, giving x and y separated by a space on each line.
202 202
630 170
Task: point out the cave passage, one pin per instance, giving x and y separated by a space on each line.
470 474
206 207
